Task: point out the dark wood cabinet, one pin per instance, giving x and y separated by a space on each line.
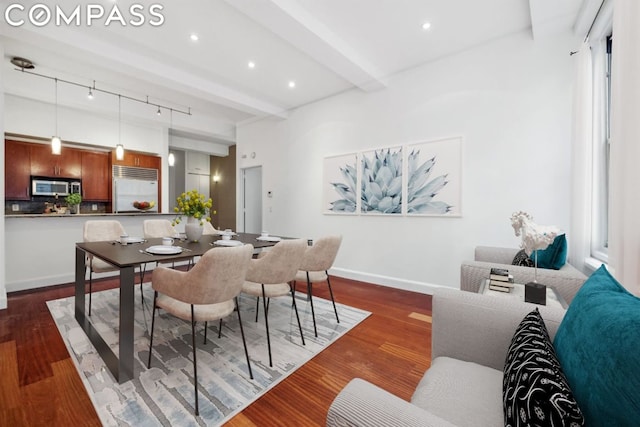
17 169
132 158
96 176
68 164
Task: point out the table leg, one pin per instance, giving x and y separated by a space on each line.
127 312
121 366
79 291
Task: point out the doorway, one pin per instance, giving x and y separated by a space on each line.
252 199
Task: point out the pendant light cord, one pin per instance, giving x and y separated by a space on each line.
56 107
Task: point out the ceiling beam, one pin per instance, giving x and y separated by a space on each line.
290 21
549 18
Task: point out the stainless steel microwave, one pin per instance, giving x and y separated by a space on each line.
52 187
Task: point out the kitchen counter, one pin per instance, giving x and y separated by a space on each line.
40 248
82 215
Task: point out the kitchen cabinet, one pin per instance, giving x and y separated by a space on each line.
197 163
17 167
68 164
96 176
132 158
198 182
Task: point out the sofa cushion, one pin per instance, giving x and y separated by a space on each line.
598 345
463 393
535 391
522 259
555 256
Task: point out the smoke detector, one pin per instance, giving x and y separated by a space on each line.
23 63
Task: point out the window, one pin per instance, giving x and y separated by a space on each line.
602 134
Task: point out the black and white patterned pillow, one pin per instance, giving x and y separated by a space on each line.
522 259
535 391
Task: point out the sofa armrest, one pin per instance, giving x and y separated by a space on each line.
478 328
495 254
361 403
567 281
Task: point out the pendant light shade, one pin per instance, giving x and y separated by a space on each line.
56 145
120 152
171 159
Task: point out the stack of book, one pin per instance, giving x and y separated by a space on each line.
500 280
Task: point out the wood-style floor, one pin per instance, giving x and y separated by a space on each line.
39 384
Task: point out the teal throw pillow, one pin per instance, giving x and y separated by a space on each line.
555 256
598 346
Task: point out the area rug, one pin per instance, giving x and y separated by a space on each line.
163 395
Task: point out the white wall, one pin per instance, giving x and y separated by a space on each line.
511 102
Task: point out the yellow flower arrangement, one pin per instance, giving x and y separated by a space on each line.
192 203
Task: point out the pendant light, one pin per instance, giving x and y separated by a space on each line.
171 159
119 147
56 143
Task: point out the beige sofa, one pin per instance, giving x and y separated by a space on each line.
567 280
463 387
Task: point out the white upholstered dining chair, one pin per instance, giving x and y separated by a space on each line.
153 228
209 229
315 266
98 231
207 292
271 275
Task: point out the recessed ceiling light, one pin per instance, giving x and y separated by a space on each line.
251 64
426 25
194 37
292 84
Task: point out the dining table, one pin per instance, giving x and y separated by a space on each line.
126 257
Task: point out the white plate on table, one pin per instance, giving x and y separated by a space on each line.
133 240
164 250
269 238
228 243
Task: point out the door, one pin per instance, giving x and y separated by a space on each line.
252 199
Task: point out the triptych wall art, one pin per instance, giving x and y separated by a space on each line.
419 179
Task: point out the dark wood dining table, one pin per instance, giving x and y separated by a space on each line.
127 258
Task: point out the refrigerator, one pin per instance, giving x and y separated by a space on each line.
128 190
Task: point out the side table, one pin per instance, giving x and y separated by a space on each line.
554 299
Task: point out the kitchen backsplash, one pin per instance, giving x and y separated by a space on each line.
38 207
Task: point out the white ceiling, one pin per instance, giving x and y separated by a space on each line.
325 46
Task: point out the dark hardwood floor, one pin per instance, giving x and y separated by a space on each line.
39 384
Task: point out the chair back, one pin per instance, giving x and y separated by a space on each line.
279 265
208 229
153 228
217 277
322 254
102 230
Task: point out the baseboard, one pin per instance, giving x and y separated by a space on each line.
391 282
42 282
3 301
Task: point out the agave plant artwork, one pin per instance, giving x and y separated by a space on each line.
346 190
382 182
421 191
381 185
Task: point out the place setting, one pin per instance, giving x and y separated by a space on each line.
265 237
226 239
166 248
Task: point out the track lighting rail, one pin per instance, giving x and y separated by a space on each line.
93 89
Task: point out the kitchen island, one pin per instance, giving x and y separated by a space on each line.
40 248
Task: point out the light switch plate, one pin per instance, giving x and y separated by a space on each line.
15 207
94 207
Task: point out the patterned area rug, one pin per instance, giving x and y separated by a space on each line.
163 394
